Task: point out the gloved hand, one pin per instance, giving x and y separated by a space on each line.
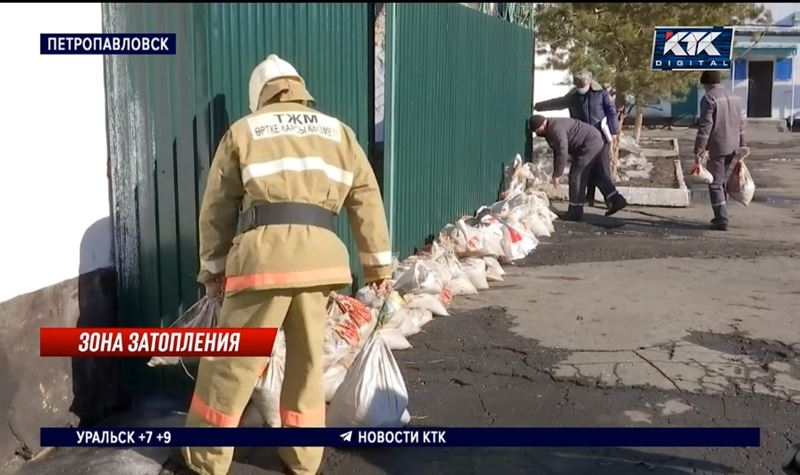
214 289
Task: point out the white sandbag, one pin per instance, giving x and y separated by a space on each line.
410 321
488 240
422 317
516 177
474 238
410 326
394 339
461 285
393 303
741 186
334 374
334 349
494 271
441 272
369 296
440 260
331 380
367 329
267 393
373 393
475 270
517 243
427 302
537 225
453 264
419 278
700 174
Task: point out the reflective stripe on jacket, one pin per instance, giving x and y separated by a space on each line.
287 152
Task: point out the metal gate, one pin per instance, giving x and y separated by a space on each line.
166 115
458 88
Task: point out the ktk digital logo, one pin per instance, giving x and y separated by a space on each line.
692 48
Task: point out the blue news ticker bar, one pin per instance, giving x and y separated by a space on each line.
404 437
108 43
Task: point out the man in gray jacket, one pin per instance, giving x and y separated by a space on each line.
585 144
721 134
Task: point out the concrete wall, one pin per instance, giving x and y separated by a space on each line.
57 241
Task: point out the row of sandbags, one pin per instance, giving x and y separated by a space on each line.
362 381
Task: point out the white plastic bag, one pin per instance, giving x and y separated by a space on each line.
267 393
537 225
741 186
427 302
422 317
494 271
394 339
373 393
331 380
419 278
202 314
461 285
489 239
369 296
475 270
406 320
517 243
366 330
516 177
700 174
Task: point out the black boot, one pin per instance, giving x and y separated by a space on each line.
719 226
618 203
574 213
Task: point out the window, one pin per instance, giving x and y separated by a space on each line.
783 69
740 70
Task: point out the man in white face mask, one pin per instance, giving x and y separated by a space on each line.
589 102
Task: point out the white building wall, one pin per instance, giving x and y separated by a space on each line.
782 105
54 185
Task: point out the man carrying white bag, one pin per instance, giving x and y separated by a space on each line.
720 136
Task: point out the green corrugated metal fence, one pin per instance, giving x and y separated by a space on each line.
458 93
166 115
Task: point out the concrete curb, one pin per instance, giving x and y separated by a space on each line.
673 151
679 197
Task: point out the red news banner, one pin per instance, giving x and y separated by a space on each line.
143 342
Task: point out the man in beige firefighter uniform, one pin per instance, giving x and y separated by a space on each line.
281 173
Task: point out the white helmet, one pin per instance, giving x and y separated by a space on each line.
271 68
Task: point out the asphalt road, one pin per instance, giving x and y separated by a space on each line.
502 360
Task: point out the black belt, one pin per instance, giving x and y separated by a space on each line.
286 213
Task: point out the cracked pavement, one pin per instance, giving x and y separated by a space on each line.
643 319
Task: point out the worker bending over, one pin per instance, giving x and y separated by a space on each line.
585 144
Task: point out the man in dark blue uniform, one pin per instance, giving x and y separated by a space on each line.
585 144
